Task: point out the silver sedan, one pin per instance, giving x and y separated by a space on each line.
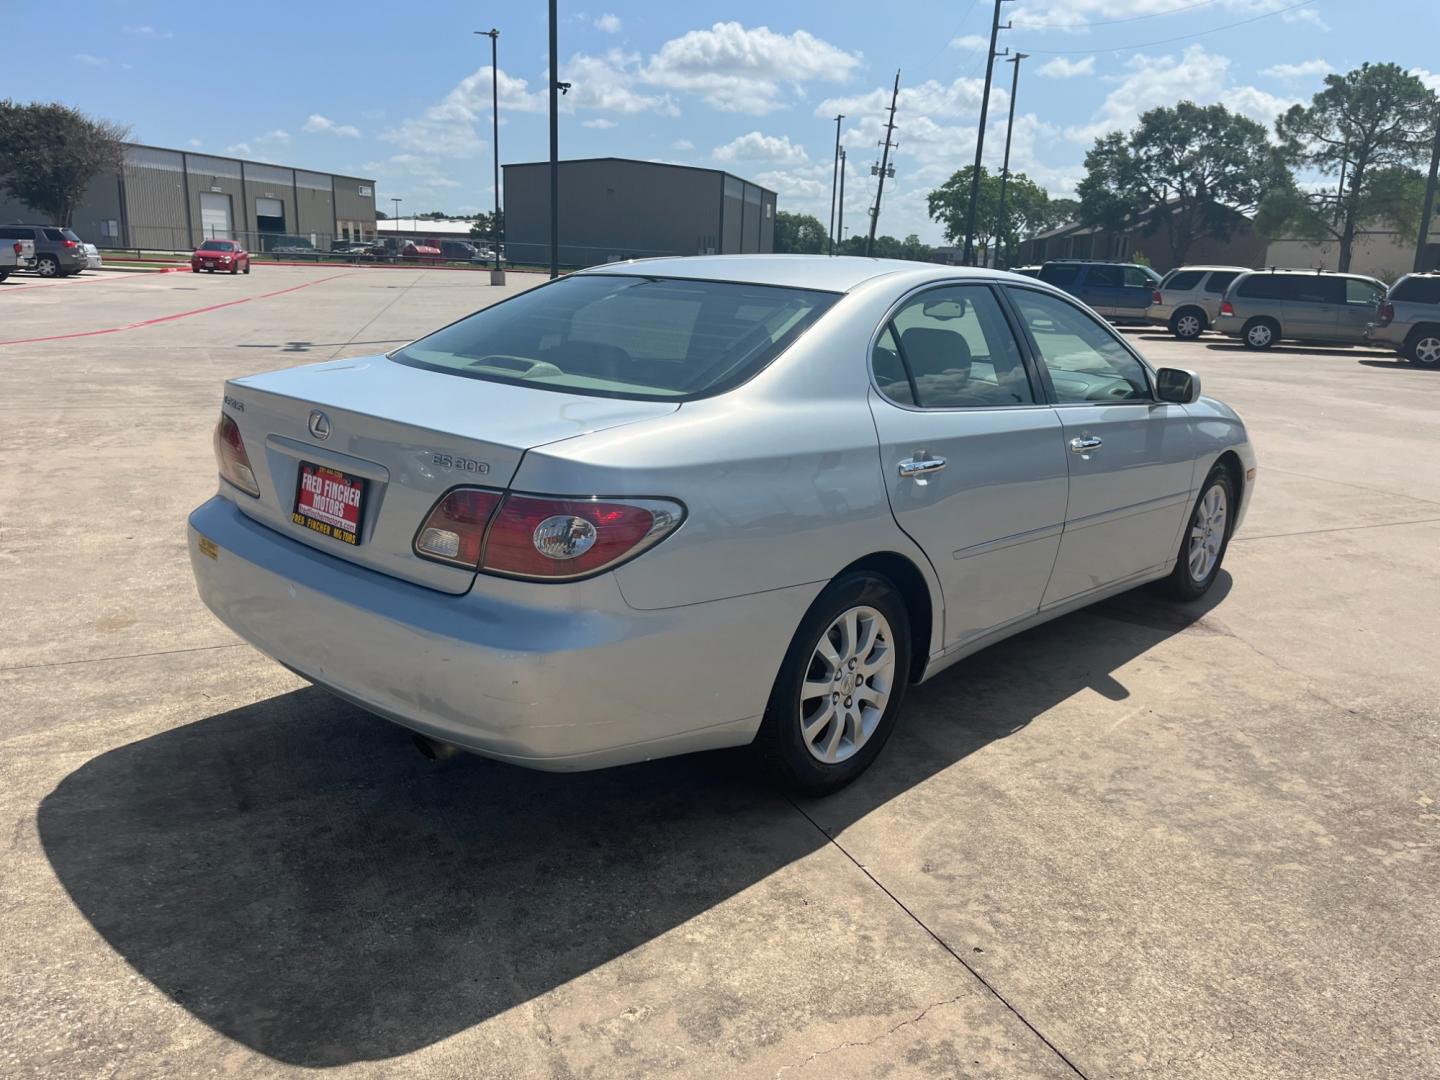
680 504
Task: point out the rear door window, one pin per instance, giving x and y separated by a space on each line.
1318 289
1137 278
1415 290
1363 293
1183 280
1220 280
956 350
1104 277
54 234
1266 287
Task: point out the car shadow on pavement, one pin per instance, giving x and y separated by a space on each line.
1300 349
1396 364
299 879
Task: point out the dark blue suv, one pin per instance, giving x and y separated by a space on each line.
1119 291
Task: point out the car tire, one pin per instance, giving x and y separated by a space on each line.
1260 333
48 266
235 269
194 269
855 636
1189 323
1422 347
247 268
1206 537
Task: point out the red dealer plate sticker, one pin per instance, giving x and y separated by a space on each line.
329 502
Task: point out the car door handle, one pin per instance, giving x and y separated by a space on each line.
1084 444
920 465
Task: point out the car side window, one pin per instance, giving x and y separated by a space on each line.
954 349
1106 277
1182 280
1220 281
1363 293
1318 289
1134 276
1085 360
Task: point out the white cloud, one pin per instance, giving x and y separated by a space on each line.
148 32
419 174
1429 78
196 143
682 144
757 147
969 41
318 123
607 83
91 60
609 23
735 69
1255 103
600 123
1079 16
240 149
1196 75
1064 68
448 128
279 135
1306 69
959 98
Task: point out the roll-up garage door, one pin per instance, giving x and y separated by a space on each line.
215 221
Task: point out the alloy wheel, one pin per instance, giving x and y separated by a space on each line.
1427 351
1188 326
847 685
1207 533
1260 335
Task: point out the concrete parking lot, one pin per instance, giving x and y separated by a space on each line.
1142 841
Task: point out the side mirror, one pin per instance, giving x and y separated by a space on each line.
1178 386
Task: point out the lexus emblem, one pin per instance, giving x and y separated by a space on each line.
319 425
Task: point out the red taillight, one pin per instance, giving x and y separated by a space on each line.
1156 298
71 244
535 536
1386 311
17 247
454 531
230 455
1227 308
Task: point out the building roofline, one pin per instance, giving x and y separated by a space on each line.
643 161
193 152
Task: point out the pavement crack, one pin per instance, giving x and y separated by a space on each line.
1335 529
1001 998
851 1043
126 656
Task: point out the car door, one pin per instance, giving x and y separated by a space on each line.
973 456
1362 302
1130 456
1136 290
1103 289
1313 306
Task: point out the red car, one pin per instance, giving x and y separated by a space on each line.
423 252
224 255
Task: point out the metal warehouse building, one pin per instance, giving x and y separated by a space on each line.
618 208
172 199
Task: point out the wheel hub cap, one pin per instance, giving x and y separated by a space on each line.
847 685
1427 350
1207 533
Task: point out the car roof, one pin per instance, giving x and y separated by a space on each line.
828 273
1311 273
1206 269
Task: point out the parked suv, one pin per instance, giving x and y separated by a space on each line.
1263 306
1190 298
1119 291
58 252
1408 319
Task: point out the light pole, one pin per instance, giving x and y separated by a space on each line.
835 171
397 201
1005 169
554 146
497 275
840 208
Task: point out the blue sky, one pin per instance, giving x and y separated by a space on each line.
401 92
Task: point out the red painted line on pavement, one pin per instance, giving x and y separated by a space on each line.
171 318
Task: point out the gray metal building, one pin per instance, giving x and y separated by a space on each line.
172 199
618 208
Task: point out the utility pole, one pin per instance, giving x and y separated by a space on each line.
1429 201
1005 169
885 169
497 276
834 172
397 202
968 254
840 219
555 146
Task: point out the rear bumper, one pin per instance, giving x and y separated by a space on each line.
1391 334
561 677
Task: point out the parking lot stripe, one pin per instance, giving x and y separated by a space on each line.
172 318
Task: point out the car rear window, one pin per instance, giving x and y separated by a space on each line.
1183 280
1220 281
627 336
70 234
1061 274
1417 290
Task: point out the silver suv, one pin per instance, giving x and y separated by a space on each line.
1408 319
1190 298
1263 306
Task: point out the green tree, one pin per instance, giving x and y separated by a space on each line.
483 228
802 234
50 153
1061 212
1182 173
1368 129
1027 209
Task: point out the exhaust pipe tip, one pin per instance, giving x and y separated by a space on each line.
433 749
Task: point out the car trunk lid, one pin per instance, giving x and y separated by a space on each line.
408 435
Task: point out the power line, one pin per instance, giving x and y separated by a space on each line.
1127 19
1177 37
